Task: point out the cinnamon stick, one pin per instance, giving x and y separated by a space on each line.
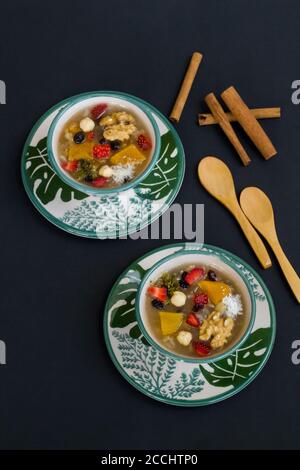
250 125
186 86
206 119
221 118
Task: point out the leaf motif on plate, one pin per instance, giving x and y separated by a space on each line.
242 364
109 216
160 182
123 310
45 182
154 371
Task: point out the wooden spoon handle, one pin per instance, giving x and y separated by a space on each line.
287 269
253 238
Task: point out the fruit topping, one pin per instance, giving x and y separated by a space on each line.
90 135
144 142
170 322
70 166
192 320
101 151
197 307
201 299
202 349
194 275
98 110
81 152
216 290
129 154
212 276
159 293
157 304
115 145
79 137
183 284
99 182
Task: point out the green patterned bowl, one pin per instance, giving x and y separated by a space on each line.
223 266
85 100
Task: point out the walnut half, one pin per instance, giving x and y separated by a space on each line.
217 329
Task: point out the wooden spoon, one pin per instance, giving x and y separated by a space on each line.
217 179
258 208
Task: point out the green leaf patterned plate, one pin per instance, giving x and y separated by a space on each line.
173 381
107 216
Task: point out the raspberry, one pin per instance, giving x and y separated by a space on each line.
201 299
90 135
98 110
144 142
101 151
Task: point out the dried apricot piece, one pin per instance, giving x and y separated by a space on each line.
130 154
81 151
170 322
216 290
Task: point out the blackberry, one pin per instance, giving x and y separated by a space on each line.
103 141
157 304
197 307
88 178
183 284
115 145
212 275
79 137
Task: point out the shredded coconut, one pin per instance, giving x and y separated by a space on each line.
233 305
121 173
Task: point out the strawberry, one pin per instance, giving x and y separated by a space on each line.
101 151
90 135
70 166
202 349
99 182
144 142
159 293
98 110
194 275
192 320
201 299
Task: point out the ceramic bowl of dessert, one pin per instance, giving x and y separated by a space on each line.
195 307
103 142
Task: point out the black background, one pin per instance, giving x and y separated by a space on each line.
59 389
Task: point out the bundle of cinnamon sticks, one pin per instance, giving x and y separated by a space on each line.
239 111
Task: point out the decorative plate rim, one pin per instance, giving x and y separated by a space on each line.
74 231
206 401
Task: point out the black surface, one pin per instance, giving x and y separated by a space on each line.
59 389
